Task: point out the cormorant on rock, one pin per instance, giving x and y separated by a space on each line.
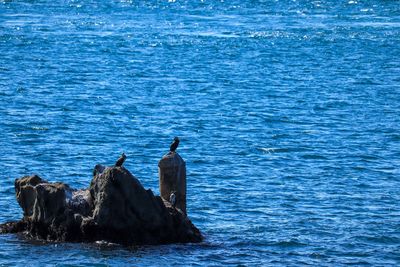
172 199
174 144
121 160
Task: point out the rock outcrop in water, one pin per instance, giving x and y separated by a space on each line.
115 208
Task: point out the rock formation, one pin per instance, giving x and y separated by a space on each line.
115 208
172 179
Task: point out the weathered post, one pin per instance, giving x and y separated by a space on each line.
172 174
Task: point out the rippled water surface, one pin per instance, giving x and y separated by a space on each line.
288 114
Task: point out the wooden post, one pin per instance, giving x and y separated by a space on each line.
172 175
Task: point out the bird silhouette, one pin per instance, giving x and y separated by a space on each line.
121 160
174 144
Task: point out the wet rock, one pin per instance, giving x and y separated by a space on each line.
115 208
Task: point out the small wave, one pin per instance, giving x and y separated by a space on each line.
267 150
37 128
395 137
270 150
105 244
313 156
289 244
387 240
279 136
369 158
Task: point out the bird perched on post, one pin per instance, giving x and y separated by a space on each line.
172 199
121 160
174 144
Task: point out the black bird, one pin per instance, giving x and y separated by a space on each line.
174 144
121 160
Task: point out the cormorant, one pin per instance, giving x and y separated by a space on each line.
174 144
172 199
121 160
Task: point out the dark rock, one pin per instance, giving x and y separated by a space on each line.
13 227
115 208
172 179
25 192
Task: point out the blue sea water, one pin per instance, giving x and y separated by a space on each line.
288 114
